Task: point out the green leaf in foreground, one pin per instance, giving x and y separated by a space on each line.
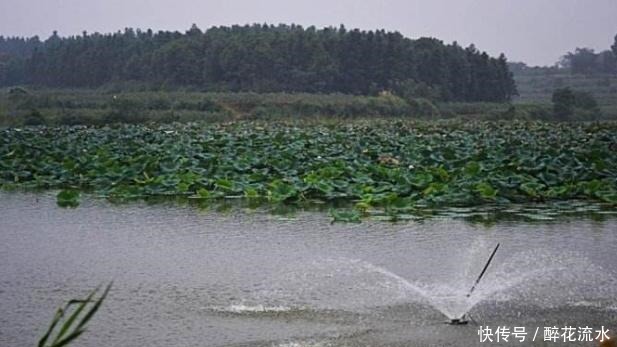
81 311
68 198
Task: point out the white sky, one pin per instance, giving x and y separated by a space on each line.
535 31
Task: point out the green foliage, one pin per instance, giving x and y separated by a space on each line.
68 198
563 103
378 164
88 107
424 108
279 191
486 191
70 118
569 104
34 118
74 317
345 216
582 70
496 111
585 100
17 92
96 108
538 86
124 110
586 61
411 90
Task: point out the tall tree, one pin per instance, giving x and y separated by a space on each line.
262 58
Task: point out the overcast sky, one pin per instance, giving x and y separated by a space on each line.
535 31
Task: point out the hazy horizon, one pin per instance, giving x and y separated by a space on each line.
536 32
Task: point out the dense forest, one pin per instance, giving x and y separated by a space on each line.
262 58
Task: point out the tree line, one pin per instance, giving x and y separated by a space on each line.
261 58
585 61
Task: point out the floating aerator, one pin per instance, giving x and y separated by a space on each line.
458 321
462 320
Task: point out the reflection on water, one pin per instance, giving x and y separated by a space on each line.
185 276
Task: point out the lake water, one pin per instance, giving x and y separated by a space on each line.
185 276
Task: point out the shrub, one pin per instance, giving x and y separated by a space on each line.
169 117
159 103
574 105
563 103
34 118
585 100
124 110
411 89
17 91
424 108
69 118
209 105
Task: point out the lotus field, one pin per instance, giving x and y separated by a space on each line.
395 166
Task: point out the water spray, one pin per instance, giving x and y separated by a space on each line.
462 320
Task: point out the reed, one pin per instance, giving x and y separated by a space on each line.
70 321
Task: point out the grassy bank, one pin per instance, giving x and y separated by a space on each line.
70 107
20 107
539 87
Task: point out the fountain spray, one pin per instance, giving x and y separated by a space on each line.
462 320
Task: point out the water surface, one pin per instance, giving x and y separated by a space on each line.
185 276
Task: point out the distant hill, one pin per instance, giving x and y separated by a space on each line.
583 70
